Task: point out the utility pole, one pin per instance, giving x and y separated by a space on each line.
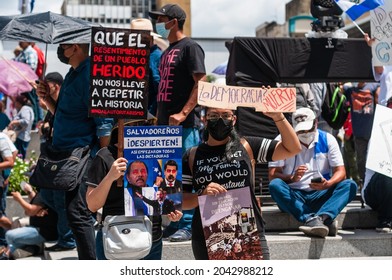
24 7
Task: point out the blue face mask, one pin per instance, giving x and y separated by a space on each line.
161 30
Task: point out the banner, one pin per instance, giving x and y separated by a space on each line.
119 73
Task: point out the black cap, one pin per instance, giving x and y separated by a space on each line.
54 77
171 11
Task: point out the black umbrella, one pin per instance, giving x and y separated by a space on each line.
48 27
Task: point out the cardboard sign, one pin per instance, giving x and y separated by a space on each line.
119 73
379 156
381 23
262 99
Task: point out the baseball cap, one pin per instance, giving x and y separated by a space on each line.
144 24
171 11
303 119
54 77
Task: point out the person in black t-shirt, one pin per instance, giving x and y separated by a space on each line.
223 162
103 192
181 68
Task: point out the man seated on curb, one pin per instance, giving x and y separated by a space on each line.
377 193
311 186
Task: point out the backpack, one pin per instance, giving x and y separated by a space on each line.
335 108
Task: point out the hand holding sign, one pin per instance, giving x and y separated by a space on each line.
262 99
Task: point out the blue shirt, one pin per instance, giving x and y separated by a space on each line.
72 126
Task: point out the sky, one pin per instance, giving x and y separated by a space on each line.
210 18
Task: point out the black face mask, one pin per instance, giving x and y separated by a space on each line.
61 56
220 129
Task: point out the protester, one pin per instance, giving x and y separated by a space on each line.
30 57
292 180
74 128
377 193
6 162
181 68
103 192
223 143
363 99
29 240
155 56
41 63
55 199
22 124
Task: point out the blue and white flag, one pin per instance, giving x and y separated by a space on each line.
354 10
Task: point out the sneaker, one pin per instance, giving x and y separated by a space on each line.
333 228
384 226
181 235
314 226
168 231
27 251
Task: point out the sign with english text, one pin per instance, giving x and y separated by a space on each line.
381 22
119 73
262 99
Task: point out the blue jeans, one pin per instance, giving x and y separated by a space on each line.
155 252
80 220
20 237
190 138
305 204
56 200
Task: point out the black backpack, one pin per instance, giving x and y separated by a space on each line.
335 108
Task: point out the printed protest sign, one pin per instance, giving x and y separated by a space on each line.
381 22
152 182
262 99
119 73
229 226
379 156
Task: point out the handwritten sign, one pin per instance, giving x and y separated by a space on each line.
119 73
262 99
381 24
380 148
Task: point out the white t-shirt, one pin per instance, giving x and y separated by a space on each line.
385 80
319 164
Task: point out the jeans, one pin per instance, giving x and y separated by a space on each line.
56 200
190 138
305 204
378 195
80 220
155 252
20 237
361 147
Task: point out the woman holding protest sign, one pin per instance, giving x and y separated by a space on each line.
224 162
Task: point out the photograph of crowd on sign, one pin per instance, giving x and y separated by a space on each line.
229 226
152 181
